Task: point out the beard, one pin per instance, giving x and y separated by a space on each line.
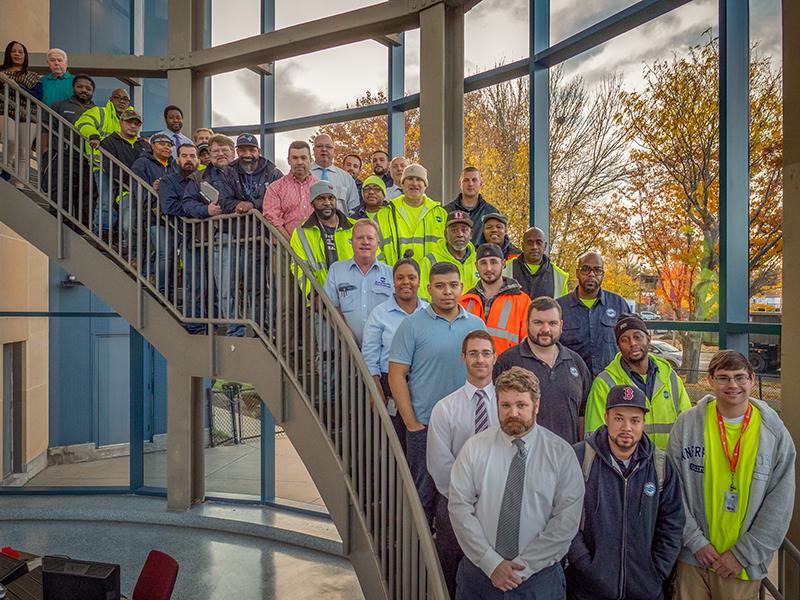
513 426
543 341
249 164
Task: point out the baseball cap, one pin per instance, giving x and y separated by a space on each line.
626 395
502 218
319 188
247 139
487 250
162 136
629 322
201 147
458 216
129 114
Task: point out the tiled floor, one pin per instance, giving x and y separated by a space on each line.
229 469
213 564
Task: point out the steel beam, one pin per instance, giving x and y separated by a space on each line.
790 344
267 100
396 88
185 442
734 121
136 381
539 127
345 28
107 65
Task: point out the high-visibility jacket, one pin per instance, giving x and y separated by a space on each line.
668 400
550 280
398 235
507 315
97 123
309 245
440 253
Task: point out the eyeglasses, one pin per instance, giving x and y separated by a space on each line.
586 269
481 353
121 98
725 380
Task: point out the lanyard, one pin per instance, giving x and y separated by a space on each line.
733 461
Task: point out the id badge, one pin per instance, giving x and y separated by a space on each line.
731 501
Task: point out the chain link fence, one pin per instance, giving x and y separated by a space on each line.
234 414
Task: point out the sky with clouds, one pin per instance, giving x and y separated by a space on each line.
496 32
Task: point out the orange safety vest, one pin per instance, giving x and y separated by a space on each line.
507 321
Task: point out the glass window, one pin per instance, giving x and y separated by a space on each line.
155 26
290 12
231 22
235 98
495 33
411 50
108 25
568 17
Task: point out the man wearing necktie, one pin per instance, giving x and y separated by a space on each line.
324 169
454 419
173 118
515 501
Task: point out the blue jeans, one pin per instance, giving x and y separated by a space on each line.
195 291
105 204
228 270
473 584
159 263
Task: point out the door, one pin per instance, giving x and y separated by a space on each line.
112 380
13 410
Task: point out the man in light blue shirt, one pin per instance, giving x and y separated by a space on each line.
323 169
425 366
359 284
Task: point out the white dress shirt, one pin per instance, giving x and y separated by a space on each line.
347 198
451 424
393 191
551 505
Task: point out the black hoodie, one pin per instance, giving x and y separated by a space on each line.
631 533
475 214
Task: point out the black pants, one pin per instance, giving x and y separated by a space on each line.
416 454
450 553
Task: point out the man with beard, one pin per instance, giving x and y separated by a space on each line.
357 285
324 237
171 192
654 376
323 169
455 419
471 202
533 270
80 101
589 315
497 300
630 534
250 177
423 368
288 200
380 166
396 168
515 500
563 377
455 248
495 231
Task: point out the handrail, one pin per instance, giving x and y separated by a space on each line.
240 270
779 591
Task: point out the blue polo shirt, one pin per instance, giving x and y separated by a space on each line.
431 346
590 332
356 293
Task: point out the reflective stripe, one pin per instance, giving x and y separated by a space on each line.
505 313
470 306
502 333
657 427
605 376
310 258
418 240
558 282
676 398
385 241
431 259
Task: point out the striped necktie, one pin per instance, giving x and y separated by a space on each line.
481 414
507 544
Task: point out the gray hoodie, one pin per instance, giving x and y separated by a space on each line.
769 509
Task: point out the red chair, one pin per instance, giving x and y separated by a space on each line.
157 579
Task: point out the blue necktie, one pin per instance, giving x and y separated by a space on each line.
324 174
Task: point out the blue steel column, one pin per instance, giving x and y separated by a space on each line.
267 85
734 121
397 79
207 25
539 134
267 455
136 378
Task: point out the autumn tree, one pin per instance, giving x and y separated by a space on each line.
674 180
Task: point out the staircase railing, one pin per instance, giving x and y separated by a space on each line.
779 592
228 271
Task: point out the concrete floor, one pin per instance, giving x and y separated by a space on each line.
231 469
213 564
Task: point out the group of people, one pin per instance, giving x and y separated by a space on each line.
552 452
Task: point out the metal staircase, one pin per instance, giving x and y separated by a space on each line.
164 274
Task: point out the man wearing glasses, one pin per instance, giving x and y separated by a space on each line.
735 460
471 409
590 313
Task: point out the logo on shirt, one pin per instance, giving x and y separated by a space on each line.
438 219
649 488
344 288
381 282
666 394
611 312
573 371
